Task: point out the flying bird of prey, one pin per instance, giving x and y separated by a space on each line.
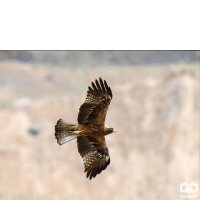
90 130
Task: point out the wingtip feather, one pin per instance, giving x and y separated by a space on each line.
94 87
102 85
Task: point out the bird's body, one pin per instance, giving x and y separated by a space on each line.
90 129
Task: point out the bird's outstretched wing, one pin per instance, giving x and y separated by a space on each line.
95 106
94 153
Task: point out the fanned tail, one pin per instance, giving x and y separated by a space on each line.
65 132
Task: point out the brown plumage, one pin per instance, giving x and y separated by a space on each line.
90 129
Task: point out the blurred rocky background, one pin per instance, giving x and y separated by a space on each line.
100 58
155 110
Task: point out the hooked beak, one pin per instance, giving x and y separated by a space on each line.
114 131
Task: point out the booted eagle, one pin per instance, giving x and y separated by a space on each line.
90 130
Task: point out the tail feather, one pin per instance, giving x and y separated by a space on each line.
65 132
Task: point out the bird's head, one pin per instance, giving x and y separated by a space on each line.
109 130
112 130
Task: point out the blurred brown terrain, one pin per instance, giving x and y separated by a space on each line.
155 112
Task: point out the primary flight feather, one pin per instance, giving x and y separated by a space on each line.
90 130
